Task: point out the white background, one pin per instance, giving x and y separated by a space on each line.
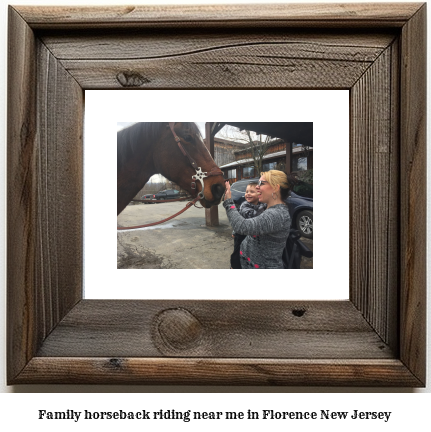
20 410
329 278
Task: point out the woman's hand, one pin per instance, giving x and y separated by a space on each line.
227 194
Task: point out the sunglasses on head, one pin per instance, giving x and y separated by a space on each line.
261 182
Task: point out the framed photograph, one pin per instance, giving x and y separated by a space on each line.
184 248
376 337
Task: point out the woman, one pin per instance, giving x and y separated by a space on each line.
267 233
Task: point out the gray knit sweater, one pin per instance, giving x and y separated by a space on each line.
266 235
248 210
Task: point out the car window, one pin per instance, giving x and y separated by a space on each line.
175 192
239 187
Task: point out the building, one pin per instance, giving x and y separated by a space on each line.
225 150
275 158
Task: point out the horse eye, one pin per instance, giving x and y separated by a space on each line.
188 138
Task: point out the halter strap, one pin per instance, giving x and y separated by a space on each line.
215 171
183 150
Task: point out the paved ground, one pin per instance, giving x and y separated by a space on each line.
183 242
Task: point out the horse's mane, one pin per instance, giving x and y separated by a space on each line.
130 141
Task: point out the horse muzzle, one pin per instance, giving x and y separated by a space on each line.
217 191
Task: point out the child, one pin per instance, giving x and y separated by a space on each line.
250 208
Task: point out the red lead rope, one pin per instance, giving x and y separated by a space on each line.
188 205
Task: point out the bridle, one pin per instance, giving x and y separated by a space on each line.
199 176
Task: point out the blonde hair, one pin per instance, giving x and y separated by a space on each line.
274 178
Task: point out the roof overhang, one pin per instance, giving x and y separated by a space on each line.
291 132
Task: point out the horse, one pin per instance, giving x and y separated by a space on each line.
145 149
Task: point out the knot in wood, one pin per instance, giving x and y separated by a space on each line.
115 363
178 328
131 79
298 312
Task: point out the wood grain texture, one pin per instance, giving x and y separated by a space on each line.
197 371
59 182
413 194
255 15
156 44
374 196
375 338
228 59
45 107
238 329
21 196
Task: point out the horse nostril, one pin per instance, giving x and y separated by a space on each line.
217 190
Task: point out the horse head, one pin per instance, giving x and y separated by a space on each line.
181 156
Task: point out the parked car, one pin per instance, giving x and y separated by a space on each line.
167 194
300 204
148 197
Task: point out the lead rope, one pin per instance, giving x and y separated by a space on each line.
150 201
188 205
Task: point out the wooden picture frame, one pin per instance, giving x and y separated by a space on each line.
376 338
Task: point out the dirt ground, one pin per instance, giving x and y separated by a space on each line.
181 243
